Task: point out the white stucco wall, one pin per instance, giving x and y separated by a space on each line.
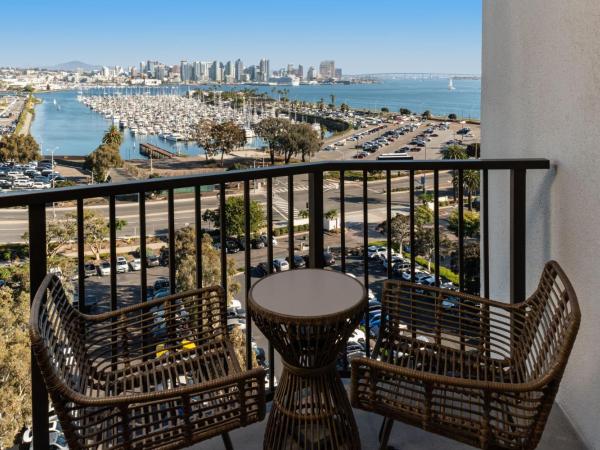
541 98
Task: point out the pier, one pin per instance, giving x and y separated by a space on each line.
152 151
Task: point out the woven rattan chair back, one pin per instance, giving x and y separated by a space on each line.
162 374
482 372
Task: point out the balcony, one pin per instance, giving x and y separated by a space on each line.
361 203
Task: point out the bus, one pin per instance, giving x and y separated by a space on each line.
395 157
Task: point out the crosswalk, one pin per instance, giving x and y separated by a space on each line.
281 206
327 186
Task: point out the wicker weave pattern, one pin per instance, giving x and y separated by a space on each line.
311 408
481 372
162 374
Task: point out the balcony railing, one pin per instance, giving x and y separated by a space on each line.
37 203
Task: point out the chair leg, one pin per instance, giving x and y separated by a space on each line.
384 433
227 441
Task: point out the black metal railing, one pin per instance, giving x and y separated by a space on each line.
37 202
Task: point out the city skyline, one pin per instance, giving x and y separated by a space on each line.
389 37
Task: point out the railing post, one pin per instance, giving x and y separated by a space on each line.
517 235
315 214
37 272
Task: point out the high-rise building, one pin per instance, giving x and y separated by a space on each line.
185 70
213 71
312 74
160 72
252 72
230 72
300 71
205 70
265 71
327 69
338 74
239 70
196 71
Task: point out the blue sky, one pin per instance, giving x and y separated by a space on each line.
361 36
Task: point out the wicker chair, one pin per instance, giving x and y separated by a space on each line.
481 372
161 374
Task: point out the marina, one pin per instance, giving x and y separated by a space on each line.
75 129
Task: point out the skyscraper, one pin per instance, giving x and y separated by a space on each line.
312 74
265 71
327 69
239 70
229 72
185 71
300 71
338 74
213 71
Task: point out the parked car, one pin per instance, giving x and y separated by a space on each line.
328 259
298 262
265 239
135 265
104 268
281 265
161 283
152 261
122 266
89 269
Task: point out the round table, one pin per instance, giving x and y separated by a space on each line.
308 315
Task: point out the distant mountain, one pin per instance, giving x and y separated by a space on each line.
72 66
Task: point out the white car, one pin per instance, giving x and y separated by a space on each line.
135 264
122 266
395 259
281 265
236 323
104 268
40 185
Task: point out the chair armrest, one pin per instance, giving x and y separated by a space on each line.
377 368
254 375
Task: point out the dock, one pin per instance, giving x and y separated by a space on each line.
152 151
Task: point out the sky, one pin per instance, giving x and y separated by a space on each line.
374 36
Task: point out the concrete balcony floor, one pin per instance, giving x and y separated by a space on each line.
559 434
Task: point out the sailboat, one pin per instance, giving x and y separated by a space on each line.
451 84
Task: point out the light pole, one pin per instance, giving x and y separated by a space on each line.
53 182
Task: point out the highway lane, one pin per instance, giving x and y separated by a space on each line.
14 222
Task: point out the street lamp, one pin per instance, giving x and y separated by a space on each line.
53 181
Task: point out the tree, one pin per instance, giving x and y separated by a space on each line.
303 214
185 263
405 111
452 116
15 368
472 268
234 216
113 137
454 152
204 138
344 108
470 223
321 104
101 160
399 229
423 215
426 115
19 148
332 97
385 109
227 136
474 150
272 129
96 231
425 243
471 185
298 139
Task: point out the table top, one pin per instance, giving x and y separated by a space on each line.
308 293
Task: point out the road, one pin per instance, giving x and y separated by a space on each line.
14 222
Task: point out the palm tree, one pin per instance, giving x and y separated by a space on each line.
332 96
454 152
471 184
112 137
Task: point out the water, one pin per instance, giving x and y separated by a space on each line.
70 128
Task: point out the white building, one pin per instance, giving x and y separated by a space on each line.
541 99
